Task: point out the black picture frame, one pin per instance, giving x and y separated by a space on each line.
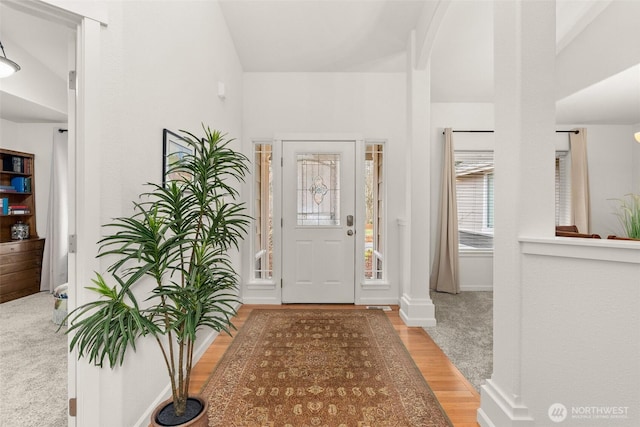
173 148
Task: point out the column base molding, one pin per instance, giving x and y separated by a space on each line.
417 312
497 409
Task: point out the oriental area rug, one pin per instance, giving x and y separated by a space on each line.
324 368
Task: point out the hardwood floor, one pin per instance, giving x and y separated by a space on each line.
456 395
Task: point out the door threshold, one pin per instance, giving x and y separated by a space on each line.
379 307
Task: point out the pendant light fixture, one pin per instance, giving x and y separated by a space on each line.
7 66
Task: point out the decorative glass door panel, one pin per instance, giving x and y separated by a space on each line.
318 178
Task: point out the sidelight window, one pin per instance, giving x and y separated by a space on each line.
374 202
263 211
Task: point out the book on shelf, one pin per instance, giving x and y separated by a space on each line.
27 165
19 210
21 184
7 189
17 164
4 206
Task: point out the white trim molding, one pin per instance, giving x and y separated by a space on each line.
500 410
417 312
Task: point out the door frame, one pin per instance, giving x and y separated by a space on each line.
84 139
359 210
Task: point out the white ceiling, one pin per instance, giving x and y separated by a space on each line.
322 35
43 39
46 44
364 35
21 110
615 100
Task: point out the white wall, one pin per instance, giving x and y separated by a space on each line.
371 104
581 329
610 156
611 170
636 161
161 62
35 138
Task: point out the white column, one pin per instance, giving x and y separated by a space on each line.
524 59
416 307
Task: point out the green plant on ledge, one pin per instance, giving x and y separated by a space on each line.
176 242
628 212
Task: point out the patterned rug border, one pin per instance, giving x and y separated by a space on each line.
411 365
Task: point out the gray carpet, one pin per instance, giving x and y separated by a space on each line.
33 364
464 332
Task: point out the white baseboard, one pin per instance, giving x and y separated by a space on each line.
377 301
261 300
472 288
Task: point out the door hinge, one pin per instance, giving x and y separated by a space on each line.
73 244
281 161
72 80
72 407
281 285
281 222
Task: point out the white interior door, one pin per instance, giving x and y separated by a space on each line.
318 230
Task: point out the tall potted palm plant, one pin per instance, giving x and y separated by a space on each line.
177 240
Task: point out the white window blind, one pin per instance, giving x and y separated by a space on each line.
474 195
563 189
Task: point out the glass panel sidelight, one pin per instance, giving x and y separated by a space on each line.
374 206
318 189
263 212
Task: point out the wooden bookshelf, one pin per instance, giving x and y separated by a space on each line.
20 260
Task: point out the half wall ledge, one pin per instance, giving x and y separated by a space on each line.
593 249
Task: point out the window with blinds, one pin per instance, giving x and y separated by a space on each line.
563 189
474 195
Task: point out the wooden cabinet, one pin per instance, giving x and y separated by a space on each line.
20 260
20 268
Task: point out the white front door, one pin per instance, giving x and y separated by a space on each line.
318 208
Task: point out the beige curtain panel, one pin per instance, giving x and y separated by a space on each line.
579 180
445 276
